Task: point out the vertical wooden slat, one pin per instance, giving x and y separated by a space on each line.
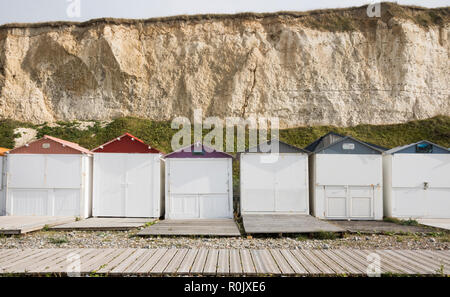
223 264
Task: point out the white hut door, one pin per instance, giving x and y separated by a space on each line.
290 184
342 202
138 186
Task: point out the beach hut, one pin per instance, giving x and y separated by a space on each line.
417 181
345 178
49 177
127 180
198 184
274 182
2 179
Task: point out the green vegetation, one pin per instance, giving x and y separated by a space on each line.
58 240
409 222
343 19
159 134
322 235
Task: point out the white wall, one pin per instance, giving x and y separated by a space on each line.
198 188
348 173
48 185
274 184
405 193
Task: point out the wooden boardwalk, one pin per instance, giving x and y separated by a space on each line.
286 223
104 224
25 224
220 262
206 227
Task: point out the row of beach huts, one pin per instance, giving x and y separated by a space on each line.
335 177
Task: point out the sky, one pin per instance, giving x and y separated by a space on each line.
29 11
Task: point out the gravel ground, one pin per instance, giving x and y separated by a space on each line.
121 239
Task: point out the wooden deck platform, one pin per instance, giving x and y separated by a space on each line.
379 227
436 223
104 224
286 223
223 262
25 224
213 227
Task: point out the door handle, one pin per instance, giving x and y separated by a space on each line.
425 186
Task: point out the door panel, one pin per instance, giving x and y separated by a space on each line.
184 207
361 201
349 202
437 203
26 171
408 202
290 184
336 202
138 200
67 202
30 202
214 206
109 185
198 176
258 188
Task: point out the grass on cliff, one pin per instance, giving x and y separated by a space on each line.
159 134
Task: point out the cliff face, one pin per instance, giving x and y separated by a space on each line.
332 67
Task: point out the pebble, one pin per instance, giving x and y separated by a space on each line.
120 239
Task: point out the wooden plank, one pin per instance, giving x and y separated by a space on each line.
328 261
304 261
186 264
361 256
44 265
116 261
248 266
293 262
430 264
264 262
17 255
163 262
286 223
387 266
282 264
235 262
426 258
314 260
199 263
172 267
211 262
10 266
143 258
96 261
347 267
223 264
128 261
358 267
412 264
441 256
62 266
21 267
399 263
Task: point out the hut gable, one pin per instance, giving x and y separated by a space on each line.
283 147
421 147
50 145
333 143
126 143
198 150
